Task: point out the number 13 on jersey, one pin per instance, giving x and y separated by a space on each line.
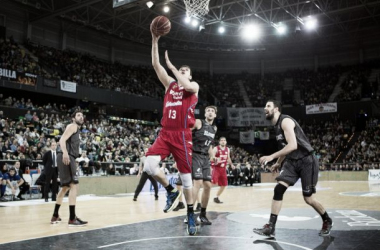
172 114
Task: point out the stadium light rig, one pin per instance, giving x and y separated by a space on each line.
166 9
311 23
251 32
280 28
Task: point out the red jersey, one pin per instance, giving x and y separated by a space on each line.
223 155
178 111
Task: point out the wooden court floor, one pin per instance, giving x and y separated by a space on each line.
22 222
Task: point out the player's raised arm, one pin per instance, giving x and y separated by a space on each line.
197 125
182 80
160 71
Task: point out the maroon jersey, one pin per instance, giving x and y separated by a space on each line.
178 111
223 155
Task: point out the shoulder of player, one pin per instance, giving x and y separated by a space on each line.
287 123
72 128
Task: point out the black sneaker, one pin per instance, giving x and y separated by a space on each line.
55 220
198 208
134 198
156 197
179 206
216 200
77 223
202 219
267 230
326 228
172 200
191 226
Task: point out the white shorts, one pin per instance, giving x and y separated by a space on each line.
8 190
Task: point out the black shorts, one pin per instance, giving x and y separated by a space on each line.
201 169
67 173
306 168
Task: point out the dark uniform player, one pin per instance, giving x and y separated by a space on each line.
297 162
69 151
175 138
203 136
143 178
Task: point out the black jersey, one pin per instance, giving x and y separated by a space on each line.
203 138
303 145
72 144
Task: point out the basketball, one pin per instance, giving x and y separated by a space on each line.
160 26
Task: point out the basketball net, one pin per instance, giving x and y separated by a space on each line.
196 7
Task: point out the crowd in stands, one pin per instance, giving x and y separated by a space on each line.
367 148
26 103
88 70
13 57
315 87
351 87
329 138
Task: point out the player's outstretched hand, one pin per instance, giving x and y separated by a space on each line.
168 63
265 159
154 37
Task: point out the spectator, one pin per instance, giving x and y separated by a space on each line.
13 183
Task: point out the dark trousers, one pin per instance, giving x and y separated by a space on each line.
23 189
248 181
51 176
141 184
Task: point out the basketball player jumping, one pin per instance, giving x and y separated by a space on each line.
175 137
67 169
297 161
219 174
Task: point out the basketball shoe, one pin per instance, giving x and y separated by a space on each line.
267 230
172 200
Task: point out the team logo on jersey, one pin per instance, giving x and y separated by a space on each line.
206 133
279 137
176 95
172 104
198 170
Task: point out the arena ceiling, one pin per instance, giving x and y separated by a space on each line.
338 20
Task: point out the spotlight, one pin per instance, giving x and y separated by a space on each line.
149 4
194 22
221 29
281 29
311 23
202 27
187 19
166 9
251 32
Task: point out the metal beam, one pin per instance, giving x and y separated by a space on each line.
64 10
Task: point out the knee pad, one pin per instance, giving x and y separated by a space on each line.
151 164
187 181
279 191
